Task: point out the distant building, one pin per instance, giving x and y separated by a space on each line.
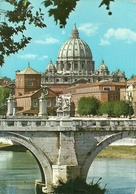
75 64
103 91
28 91
129 93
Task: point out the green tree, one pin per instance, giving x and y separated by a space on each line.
4 94
88 106
123 108
132 76
7 79
107 108
22 14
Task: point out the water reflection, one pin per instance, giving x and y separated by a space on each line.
118 174
18 171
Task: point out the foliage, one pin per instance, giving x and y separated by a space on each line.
123 108
117 108
132 76
88 106
17 20
78 186
107 108
22 14
7 79
4 94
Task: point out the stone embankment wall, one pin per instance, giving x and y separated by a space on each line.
125 142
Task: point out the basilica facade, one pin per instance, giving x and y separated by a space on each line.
75 64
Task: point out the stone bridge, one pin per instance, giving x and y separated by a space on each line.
65 147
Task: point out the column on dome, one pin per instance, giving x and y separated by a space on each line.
72 66
58 66
79 66
85 66
65 66
92 66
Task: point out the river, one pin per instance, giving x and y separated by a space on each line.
18 171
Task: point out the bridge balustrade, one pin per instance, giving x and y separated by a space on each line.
72 123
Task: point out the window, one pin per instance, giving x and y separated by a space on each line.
48 103
75 66
20 82
116 97
55 103
65 79
106 88
30 82
34 102
111 97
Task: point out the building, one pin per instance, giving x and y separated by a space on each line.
75 64
28 91
103 91
129 93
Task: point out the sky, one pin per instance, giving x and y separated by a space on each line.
110 38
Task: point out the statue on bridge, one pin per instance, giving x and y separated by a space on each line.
63 103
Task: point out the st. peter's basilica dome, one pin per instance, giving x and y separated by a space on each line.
75 55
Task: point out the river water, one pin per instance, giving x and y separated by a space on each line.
18 171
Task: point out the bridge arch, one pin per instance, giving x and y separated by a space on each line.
41 158
99 147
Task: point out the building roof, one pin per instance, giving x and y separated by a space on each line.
132 80
28 70
105 83
58 89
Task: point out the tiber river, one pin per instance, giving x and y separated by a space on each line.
18 171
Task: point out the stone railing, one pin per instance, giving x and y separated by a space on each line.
73 123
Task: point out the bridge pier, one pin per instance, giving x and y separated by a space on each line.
65 173
60 172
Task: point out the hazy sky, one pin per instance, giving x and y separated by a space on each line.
111 38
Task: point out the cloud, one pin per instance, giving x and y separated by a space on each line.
89 28
104 42
48 40
124 34
43 57
27 56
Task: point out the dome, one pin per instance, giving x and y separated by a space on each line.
50 67
103 67
74 47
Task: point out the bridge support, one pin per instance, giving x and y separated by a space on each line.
60 172
65 173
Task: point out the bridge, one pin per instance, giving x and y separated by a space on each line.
64 147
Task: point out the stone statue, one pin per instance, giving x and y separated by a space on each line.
63 103
66 102
59 103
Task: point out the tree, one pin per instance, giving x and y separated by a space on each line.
22 14
7 79
88 106
132 76
4 94
123 108
107 108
